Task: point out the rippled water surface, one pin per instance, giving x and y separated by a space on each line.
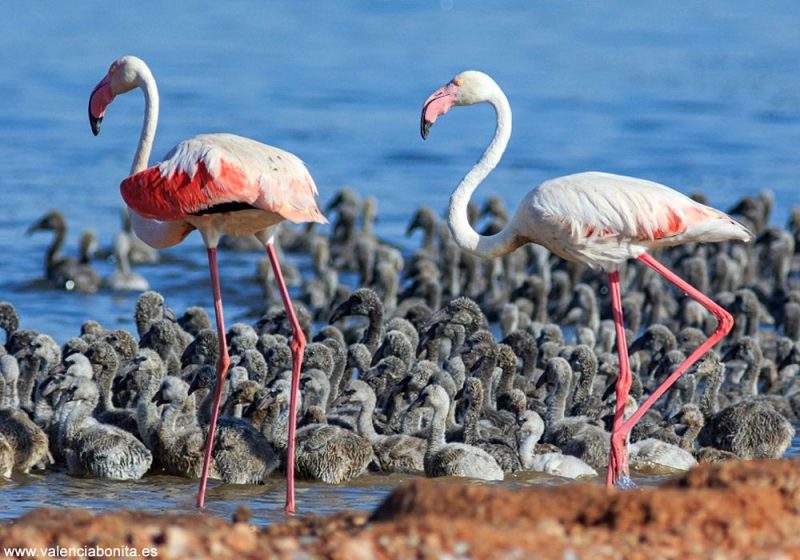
700 96
171 494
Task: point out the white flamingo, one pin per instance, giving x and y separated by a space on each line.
219 184
598 219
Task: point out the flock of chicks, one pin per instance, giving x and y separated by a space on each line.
440 363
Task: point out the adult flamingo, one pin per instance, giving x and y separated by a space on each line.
598 219
219 184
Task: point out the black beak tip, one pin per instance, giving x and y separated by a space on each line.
609 390
729 355
425 128
342 311
439 316
38 226
95 123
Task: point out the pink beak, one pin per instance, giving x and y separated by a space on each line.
437 105
100 98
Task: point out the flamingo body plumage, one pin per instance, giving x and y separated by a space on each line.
219 184
598 219
603 219
221 173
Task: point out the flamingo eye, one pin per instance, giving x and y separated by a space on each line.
459 81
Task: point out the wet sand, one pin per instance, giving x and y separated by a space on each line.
729 510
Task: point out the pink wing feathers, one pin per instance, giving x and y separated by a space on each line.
602 219
214 169
602 205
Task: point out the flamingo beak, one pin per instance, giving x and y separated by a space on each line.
262 403
100 98
425 128
542 381
612 387
50 385
440 316
437 105
732 354
95 124
342 311
636 345
34 227
340 400
158 398
420 400
170 314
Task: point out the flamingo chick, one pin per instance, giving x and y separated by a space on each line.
219 184
597 219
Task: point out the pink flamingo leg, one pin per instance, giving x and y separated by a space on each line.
617 457
298 349
222 370
724 325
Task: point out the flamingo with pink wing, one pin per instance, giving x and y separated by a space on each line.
218 184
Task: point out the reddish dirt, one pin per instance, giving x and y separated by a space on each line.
725 510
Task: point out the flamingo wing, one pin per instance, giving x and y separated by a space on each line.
601 218
603 205
220 173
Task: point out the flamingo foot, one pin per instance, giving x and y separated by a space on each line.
618 469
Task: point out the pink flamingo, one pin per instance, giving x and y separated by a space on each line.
598 219
219 184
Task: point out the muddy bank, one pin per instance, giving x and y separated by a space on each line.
729 510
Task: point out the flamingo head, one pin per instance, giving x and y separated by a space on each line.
466 88
124 74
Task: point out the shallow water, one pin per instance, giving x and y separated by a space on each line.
170 494
701 96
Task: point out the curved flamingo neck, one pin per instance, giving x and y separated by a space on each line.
527 441
464 234
142 156
436 436
158 235
364 420
54 250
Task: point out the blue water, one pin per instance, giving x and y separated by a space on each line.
702 96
